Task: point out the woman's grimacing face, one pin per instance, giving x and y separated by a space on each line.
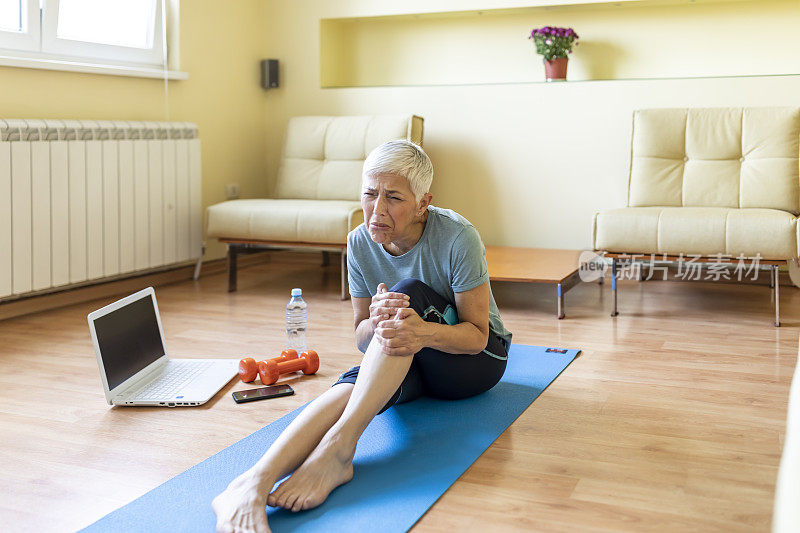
389 207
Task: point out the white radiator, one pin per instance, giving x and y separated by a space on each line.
89 200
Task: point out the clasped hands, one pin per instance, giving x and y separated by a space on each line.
399 329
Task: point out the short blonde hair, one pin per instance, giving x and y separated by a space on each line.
403 158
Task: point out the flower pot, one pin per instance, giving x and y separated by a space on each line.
556 69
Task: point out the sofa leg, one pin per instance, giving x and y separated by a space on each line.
614 311
326 259
775 276
232 250
345 293
199 263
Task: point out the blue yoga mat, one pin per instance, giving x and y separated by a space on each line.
406 459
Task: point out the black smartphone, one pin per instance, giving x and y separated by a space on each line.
251 395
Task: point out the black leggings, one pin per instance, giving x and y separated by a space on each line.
435 373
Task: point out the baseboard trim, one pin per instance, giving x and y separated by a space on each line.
72 295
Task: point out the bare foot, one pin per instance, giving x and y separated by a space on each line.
325 469
241 507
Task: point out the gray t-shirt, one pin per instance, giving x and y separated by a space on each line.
449 257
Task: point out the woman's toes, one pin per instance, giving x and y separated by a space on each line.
284 502
274 497
289 503
298 504
280 497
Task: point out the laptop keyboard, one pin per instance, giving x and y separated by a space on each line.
175 378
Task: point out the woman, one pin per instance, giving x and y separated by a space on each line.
436 331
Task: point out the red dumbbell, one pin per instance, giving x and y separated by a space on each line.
248 368
270 371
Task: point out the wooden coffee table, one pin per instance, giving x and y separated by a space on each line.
535 265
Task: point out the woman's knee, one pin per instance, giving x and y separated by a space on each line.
410 286
421 295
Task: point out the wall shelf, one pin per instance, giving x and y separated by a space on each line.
568 82
419 10
623 40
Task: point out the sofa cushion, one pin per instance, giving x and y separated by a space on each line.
307 221
716 157
697 230
323 156
305 138
344 138
305 175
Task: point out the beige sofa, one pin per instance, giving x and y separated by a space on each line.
709 181
316 199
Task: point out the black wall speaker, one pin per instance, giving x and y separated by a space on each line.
269 73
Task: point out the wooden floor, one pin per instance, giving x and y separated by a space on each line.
671 420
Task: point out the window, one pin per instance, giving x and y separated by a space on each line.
11 16
116 32
19 24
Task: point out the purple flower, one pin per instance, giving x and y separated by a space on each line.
554 31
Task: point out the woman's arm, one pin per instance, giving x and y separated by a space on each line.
363 325
408 334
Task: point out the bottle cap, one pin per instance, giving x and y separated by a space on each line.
297 292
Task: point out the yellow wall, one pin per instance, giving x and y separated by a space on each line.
220 45
528 164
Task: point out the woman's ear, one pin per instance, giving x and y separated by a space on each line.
424 202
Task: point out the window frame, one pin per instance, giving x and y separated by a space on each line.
54 47
16 52
27 40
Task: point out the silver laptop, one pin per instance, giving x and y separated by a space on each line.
135 366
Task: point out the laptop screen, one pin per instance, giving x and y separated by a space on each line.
129 340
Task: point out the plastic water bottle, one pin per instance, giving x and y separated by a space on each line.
296 320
